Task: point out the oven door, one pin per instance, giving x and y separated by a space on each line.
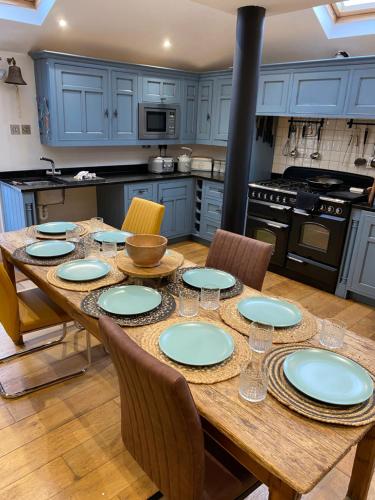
270 232
267 210
317 237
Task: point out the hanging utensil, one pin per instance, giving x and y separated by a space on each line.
350 143
361 161
286 148
294 151
316 155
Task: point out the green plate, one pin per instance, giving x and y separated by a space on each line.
50 248
111 236
208 278
55 227
196 344
83 270
269 311
328 377
128 300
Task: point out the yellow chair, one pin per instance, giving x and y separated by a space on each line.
143 217
26 312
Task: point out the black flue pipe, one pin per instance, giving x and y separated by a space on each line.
247 58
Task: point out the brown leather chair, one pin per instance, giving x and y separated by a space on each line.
161 427
241 256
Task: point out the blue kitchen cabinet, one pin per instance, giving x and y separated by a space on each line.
177 197
363 273
165 90
361 100
212 203
221 111
319 93
204 118
273 93
18 208
189 111
82 103
144 190
124 105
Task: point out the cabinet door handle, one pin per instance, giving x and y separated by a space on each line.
162 98
208 116
272 224
295 260
106 113
161 200
140 191
115 113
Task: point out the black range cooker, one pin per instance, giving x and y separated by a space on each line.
306 224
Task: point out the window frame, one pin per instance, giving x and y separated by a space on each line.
342 14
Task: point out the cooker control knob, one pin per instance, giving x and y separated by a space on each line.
285 199
278 198
253 194
259 195
271 197
265 196
323 208
330 209
338 211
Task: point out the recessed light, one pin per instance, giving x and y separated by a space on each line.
62 23
167 43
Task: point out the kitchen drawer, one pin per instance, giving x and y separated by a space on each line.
208 228
213 190
212 208
145 190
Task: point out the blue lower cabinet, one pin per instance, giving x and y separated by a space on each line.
177 197
144 190
212 209
363 274
208 228
18 208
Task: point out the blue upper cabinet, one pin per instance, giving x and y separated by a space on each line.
273 93
204 118
319 93
361 101
165 90
82 103
189 111
221 112
124 105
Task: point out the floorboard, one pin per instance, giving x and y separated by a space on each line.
65 442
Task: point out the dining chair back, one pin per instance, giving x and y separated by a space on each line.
160 424
162 430
143 217
244 257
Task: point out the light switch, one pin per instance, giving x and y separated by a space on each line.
15 130
26 129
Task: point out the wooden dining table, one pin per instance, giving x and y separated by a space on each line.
288 452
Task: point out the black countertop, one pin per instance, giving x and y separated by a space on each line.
364 206
109 175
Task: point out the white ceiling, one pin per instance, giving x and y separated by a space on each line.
202 32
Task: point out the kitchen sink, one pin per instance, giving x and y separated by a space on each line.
41 183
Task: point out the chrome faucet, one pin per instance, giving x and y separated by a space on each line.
53 170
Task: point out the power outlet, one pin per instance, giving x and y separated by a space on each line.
26 129
15 130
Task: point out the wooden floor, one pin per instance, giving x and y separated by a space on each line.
64 442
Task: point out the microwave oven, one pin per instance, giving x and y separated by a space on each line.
158 121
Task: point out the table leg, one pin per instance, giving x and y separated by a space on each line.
9 267
363 467
281 491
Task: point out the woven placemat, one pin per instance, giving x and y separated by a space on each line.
89 305
178 284
199 375
284 392
305 330
21 255
83 229
113 277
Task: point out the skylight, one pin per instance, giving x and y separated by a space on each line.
25 11
353 8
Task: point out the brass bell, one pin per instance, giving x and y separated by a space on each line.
14 74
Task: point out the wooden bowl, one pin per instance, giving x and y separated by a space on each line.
146 250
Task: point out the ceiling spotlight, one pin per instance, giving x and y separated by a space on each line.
167 43
62 23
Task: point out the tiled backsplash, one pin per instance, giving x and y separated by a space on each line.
334 144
